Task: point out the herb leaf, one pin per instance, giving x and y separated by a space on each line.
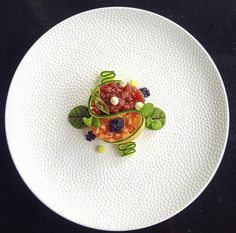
76 116
88 121
156 120
91 121
147 109
95 122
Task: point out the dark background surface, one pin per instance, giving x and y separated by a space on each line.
213 23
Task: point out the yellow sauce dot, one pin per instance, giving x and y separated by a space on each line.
134 83
102 149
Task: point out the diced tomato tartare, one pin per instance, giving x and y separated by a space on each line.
128 96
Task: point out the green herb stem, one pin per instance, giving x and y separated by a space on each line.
107 76
127 148
100 104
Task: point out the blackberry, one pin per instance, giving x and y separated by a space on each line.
90 136
145 91
117 125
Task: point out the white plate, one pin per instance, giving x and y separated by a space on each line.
171 167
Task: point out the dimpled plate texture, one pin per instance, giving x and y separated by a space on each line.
170 168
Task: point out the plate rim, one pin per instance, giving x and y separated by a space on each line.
211 62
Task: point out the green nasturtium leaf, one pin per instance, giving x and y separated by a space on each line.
156 120
76 116
147 109
156 125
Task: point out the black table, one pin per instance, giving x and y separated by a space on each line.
212 22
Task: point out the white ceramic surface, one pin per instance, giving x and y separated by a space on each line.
171 167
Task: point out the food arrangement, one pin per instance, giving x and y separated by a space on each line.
117 113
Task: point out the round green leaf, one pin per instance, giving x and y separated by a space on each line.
156 120
156 125
76 116
147 109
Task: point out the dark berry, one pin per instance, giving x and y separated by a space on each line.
117 125
90 136
145 91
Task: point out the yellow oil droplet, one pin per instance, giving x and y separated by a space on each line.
134 83
102 149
